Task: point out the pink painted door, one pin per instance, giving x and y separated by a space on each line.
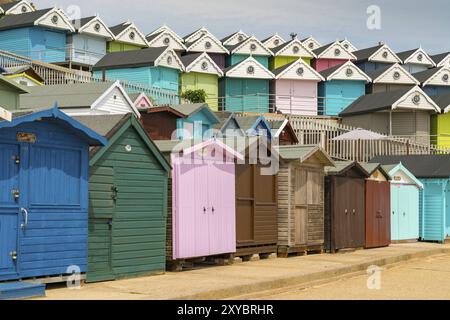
283 96
191 219
296 97
222 208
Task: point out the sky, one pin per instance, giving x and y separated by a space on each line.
403 24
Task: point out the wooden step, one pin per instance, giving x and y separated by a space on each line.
21 290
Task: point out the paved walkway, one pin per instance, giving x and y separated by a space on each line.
249 277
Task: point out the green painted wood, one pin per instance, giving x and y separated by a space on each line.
127 229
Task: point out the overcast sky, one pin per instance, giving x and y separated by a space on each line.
405 24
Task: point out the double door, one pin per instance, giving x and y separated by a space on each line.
404 212
349 213
204 209
378 204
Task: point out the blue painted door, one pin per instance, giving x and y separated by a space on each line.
9 208
405 213
447 211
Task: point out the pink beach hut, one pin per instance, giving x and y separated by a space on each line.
203 213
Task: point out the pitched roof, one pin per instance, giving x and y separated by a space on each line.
230 36
308 73
189 58
303 153
82 22
391 169
443 101
377 73
68 95
270 75
375 102
406 54
365 54
341 167
422 166
360 134
134 58
14 85
328 73
105 125
192 108
372 167
8 5
22 20
425 75
119 28
437 58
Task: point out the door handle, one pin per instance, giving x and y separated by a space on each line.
213 210
346 211
13 255
204 210
25 215
354 211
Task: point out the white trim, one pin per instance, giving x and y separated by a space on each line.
131 25
213 39
245 42
139 97
194 36
167 34
231 41
269 74
167 29
301 63
334 46
336 74
425 55
282 127
438 74
204 55
171 52
122 90
444 61
385 47
307 53
96 20
20 3
269 42
61 14
423 94
316 43
402 70
351 47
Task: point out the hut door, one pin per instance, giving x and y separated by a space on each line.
447 211
300 207
357 213
341 214
395 189
9 208
102 202
245 202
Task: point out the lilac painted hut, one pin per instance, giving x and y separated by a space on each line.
202 209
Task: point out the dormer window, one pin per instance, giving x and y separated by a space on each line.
251 70
97 27
132 35
208 45
166 41
337 52
253 47
205 66
300 71
349 72
416 99
55 19
396 75
296 49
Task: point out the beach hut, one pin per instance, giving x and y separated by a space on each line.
440 122
372 58
94 98
311 43
201 73
331 55
390 77
348 45
141 100
24 75
345 226
10 92
273 41
250 47
44 200
152 67
202 209
256 198
127 201
202 40
245 87
165 37
405 190
87 45
295 88
234 38
38 35
405 112
416 60
378 206
288 52
283 132
435 81
127 37
301 199
16 7
186 121
342 85
433 171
